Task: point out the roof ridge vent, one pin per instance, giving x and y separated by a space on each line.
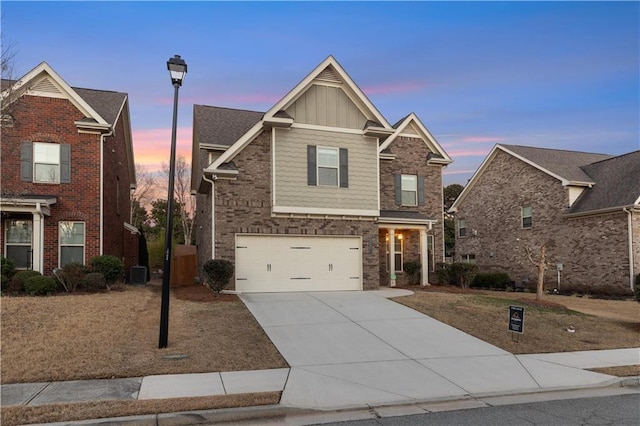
45 85
329 74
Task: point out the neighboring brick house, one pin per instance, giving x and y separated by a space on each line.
318 193
585 206
67 173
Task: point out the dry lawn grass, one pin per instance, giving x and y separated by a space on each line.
115 334
19 415
610 324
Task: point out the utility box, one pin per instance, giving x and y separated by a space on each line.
138 275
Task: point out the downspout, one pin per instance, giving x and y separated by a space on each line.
40 238
102 140
213 222
630 235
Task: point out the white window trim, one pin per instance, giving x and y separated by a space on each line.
396 252
84 242
318 166
6 240
523 217
462 227
35 176
415 191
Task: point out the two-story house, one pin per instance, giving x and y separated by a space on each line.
67 173
584 207
319 192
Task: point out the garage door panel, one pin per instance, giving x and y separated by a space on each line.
268 263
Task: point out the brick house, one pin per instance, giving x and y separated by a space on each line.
319 192
585 206
67 173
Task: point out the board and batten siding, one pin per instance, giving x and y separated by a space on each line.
291 189
327 106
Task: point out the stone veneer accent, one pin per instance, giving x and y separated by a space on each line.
244 206
594 250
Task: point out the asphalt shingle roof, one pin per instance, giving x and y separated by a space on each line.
106 103
566 164
222 126
617 184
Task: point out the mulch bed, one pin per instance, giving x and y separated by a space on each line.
200 293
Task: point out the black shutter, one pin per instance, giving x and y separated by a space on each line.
65 163
397 184
312 178
26 162
420 190
344 168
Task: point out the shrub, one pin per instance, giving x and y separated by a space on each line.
8 267
17 282
443 273
493 280
71 276
40 285
109 266
217 273
412 268
636 288
94 281
462 273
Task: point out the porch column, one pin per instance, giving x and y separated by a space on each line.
424 257
37 242
392 257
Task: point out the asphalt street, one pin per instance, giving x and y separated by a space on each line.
619 410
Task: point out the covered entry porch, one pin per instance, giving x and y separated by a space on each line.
404 237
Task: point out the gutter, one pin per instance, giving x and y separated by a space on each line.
630 237
213 203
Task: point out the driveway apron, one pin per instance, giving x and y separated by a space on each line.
358 349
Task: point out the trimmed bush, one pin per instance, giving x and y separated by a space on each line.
17 282
412 268
492 280
40 285
462 273
109 266
94 281
443 273
8 270
217 273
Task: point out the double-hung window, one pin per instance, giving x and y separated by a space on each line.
462 227
527 217
18 242
328 166
409 190
71 236
46 162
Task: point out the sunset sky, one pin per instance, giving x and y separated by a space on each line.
561 75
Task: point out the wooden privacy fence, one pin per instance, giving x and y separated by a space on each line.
184 266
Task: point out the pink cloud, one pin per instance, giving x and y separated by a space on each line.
458 172
393 88
483 139
453 153
151 147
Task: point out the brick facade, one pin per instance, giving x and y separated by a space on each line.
593 249
48 119
244 206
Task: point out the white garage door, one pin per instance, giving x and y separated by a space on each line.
270 263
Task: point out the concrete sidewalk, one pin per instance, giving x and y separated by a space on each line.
354 350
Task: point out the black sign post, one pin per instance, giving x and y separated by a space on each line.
516 319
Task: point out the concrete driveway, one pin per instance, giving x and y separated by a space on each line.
355 349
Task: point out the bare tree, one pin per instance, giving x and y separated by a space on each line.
8 54
144 192
541 262
182 194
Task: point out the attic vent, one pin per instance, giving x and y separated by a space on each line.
45 85
329 74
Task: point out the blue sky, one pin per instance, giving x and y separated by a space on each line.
562 75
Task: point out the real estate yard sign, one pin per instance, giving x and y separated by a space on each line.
516 319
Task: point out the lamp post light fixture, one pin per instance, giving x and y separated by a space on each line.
177 69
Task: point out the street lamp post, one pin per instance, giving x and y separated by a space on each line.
177 69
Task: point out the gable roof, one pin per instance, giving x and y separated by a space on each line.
610 182
561 164
222 126
617 184
106 103
412 119
328 70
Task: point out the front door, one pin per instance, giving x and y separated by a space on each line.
18 242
